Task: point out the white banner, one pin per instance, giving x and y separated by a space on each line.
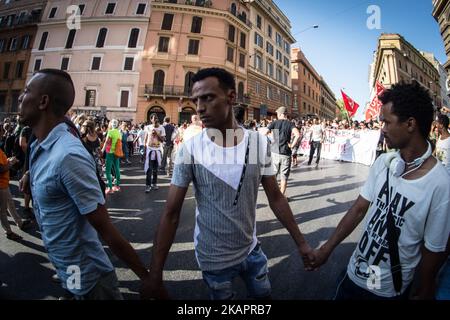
346 145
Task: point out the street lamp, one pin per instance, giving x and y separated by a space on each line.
316 26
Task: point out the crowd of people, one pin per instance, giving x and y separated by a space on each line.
63 161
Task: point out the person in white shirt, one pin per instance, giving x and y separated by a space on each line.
406 199
154 137
315 141
443 143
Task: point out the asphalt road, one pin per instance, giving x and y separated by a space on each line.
320 197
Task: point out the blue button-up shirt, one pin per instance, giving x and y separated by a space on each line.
65 188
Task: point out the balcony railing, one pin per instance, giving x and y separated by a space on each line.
171 91
241 17
197 3
20 21
243 100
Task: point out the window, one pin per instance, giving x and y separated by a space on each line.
279 74
65 63
167 21
287 47
163 45
6 70
279 56
15 94
141 8
37 65
193 46
243 40
259 40
233 9
231 33
43 41
230 54
101 38
90 98
19 69
258 62
81 8
188 83
158 82
270 69
13 44
258 21
70 38
257 88
129 63
269 48
52 13
3 101
134 35
25 42
2 45
196 25
279 40
242 60
286 62
241 91
96 61
110 8
124 97
269 31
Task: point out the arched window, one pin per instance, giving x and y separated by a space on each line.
158 82
233 9
188 83
243 16
101 37
134 35
240 91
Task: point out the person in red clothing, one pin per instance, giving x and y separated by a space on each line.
6 201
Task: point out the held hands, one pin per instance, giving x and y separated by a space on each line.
314 259
153 289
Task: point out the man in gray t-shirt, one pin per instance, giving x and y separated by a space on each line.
226 164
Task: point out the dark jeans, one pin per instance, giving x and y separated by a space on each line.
348 290
130 148
315 146
152 173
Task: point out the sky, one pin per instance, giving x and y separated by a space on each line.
341 49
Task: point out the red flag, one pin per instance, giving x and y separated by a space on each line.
373 111
350 105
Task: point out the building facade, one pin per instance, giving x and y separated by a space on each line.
183 37
102 53
18 27
397 60
269 73
443 79
327 101
441 12
306 85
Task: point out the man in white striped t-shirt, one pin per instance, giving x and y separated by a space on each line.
226 164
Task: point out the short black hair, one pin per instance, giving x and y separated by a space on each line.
60 89
239 113
443 119
411 100
226 79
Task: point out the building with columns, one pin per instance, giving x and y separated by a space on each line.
397 60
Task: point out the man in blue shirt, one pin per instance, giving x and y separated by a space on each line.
67 199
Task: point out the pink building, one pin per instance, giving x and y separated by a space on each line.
184 36
103 52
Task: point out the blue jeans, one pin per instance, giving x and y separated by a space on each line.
253 271
443 291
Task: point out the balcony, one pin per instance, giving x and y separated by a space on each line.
197 3
16 20
244 100
167 91
242 17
